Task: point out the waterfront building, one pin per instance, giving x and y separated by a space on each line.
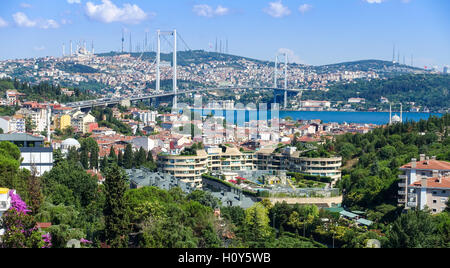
32 151
422 181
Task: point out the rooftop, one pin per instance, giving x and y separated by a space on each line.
429 164
20 137
443 182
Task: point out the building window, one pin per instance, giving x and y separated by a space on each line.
434 201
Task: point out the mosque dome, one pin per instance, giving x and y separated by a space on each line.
396 119
66 144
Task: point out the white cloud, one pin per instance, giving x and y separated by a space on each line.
108 12
66 21
292 57
277 10
25 5
39 48
74 1
209 12
49 24
305 8
375 1
22 20
3 23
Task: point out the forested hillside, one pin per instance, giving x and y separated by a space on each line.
43 91
432 91
372 182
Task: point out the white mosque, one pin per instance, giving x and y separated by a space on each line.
395 119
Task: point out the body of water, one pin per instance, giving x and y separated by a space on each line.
378 118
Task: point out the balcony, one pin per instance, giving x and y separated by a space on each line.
412 204
402 192
403 177
402 185
401 200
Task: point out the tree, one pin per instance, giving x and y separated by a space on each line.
35 191
116 218
30 125
150 157
112 154
204 198
84 158
72 155
257 223
120 159
94 158
416 229
128 157
74 178
140 158
104 164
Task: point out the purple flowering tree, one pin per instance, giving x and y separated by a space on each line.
20 227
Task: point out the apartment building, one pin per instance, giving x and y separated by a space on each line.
188 169
32 151
432 193
422 181
81 121
62 121
228 160
38 113
290 159
12 124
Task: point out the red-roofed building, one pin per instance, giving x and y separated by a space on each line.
432 193
420 173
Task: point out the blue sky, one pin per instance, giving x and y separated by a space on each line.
313 31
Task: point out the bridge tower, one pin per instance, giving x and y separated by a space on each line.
285 80
174 67
275 84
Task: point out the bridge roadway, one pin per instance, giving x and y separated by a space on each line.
113 101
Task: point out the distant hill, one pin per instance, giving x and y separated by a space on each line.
378 66
76 68
186 58
431 91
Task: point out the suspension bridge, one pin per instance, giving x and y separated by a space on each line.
175 92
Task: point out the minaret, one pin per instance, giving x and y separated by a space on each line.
401 113
275 84
390 114
71 51
49 114
123 39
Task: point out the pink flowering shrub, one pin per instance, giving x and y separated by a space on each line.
20 227
17 203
